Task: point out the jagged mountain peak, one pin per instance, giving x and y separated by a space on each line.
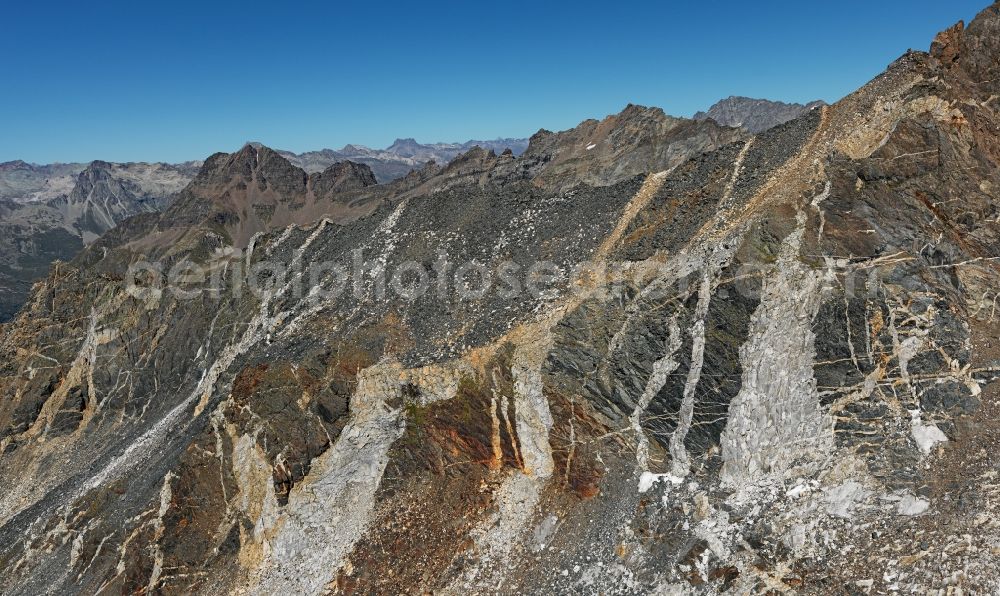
104 195
403 142
352 148
50 212
254 162
408 147
474 153
975 47
343 176
252 190
255 151
99 173
638 139
633 110
99 164
753 114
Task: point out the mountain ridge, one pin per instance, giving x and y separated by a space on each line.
400 157
395 161
73 218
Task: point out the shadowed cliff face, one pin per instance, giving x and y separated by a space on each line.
776 370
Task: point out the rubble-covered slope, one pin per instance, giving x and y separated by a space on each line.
775 372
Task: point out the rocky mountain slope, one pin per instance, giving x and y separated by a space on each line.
755 115
710 362
398 159
42 221
49 212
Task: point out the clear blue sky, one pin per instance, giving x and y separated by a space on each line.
179 80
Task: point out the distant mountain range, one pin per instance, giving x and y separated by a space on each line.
23 182
396 160
49 212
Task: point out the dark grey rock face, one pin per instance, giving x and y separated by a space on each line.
778 370
755 115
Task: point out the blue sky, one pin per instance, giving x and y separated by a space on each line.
180 80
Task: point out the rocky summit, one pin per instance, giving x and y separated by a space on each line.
647 355
755 115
